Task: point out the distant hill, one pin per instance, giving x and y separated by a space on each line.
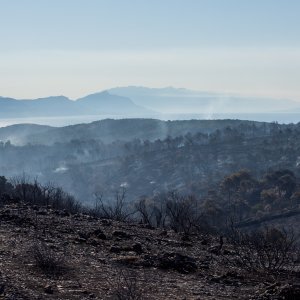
17 134
95 104
150 156
109 130
42 107
173 100
106 103
10 107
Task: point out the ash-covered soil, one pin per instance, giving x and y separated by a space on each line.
47 254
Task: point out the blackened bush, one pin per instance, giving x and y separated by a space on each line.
268 249
127 286
33 193
183 213
115 210
50 262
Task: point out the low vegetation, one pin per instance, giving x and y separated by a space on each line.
150 156
267 250
171 232
49 261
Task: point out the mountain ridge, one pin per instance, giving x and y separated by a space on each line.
108 130
181 100
53 106
138 101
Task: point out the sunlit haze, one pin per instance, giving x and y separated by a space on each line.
78 47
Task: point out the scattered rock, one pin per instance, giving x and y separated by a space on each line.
105 222
48 289
94 242
121 234
137 247
181 263
229 278
148 226
127 260
204 266
115 249
148 261
186 238
80 240
42 212
289 291
64 213
204 242
2 289
164 233
98 251
99 234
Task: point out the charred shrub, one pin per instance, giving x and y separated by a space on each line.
182 213
115 210
49 261
267 250
128 286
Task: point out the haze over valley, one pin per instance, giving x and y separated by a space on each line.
159 103
148 156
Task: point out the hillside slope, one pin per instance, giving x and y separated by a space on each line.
110 130
100 258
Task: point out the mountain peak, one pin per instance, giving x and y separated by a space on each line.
52 98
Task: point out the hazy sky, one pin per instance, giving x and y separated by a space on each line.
74 47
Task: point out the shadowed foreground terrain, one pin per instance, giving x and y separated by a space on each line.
52 254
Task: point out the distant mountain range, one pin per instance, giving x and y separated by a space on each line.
94 104
143 102
173 100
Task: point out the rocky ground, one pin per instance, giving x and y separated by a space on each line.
47 254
